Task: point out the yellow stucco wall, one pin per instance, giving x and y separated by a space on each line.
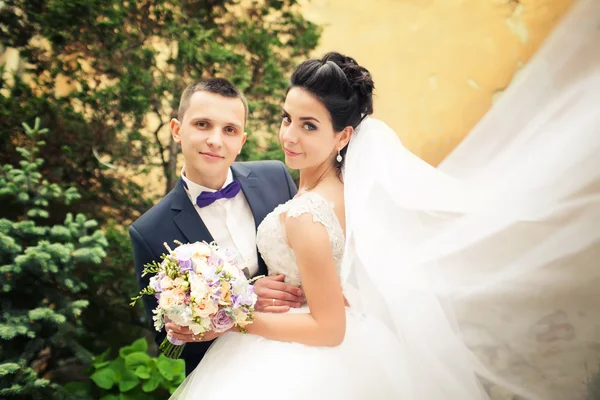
437 64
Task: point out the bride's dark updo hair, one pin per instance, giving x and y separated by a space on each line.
344 87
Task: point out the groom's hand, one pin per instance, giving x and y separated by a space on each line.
276 296
183 333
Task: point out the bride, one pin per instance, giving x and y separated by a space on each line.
474 280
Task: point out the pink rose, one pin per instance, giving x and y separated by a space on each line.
222 321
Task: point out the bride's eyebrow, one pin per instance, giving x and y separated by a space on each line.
309 119
301 118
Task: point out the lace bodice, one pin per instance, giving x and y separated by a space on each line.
279 257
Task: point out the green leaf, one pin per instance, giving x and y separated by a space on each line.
110 397
178 367
104 378
101 358
133 360
118 366
153 382
142 372
139 345
164 366
101 364
128 381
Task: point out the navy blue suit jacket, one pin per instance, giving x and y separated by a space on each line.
265 184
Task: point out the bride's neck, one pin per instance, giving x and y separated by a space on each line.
311 177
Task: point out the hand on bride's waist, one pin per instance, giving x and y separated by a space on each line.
276 296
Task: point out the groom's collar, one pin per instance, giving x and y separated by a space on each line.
193 189
180 197
238 171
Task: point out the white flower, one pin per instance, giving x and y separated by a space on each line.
166 283
239 285
200 249
241 317
200 263
182 251
206 324
180 315
180 283
198 287
248 298
231 269
195 328
158 318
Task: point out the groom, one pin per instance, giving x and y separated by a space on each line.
216 199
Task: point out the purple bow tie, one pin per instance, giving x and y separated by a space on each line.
207 198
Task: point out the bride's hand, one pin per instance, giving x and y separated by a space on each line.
276 296
184 334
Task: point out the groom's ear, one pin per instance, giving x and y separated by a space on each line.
175 128
244 138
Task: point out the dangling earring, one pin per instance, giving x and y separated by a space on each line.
339 157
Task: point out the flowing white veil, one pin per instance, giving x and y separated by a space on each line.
486 267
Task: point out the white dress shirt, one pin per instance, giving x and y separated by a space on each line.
229 221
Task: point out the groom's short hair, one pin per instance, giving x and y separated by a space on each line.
218 86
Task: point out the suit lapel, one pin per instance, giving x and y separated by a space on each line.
187 220
252 192
256 200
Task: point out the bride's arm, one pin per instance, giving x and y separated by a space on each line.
326 323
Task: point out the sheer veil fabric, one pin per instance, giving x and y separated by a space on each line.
486 268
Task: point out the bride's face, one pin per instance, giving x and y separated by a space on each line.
306 133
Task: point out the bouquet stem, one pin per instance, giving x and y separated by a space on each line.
171 350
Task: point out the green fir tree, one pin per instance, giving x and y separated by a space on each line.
40 277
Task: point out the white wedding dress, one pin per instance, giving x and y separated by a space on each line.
368 364
478 279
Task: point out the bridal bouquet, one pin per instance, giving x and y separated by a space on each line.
199 286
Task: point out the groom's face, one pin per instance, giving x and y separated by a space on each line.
211 134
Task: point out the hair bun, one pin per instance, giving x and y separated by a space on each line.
359 78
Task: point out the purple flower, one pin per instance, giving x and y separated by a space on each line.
185 265
184 258
214 260
246 298
155 283
222 321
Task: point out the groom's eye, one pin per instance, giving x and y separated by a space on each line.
201 124
230 130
